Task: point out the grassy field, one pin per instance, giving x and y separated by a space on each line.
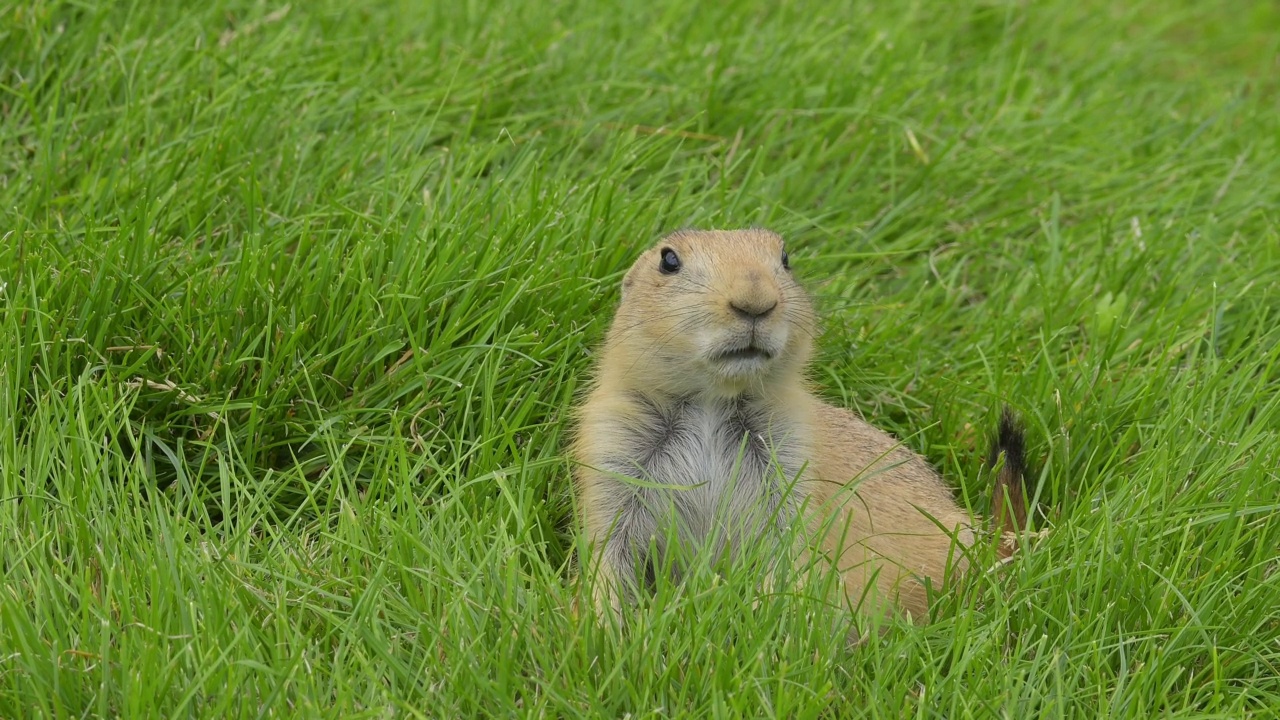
294 300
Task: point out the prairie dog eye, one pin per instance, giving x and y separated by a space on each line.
786 263
670 263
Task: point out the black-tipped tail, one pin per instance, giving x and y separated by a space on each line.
1009 497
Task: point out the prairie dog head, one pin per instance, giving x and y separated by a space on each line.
714 312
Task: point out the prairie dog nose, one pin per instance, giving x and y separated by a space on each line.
752 296
751 310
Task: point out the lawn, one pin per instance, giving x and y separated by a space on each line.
295 300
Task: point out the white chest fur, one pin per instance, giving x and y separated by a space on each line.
721 470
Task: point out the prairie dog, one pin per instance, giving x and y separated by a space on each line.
700 415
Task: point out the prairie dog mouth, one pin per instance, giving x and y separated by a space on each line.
750 352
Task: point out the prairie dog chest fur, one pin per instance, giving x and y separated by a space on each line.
716 466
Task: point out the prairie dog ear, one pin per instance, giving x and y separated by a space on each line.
627 282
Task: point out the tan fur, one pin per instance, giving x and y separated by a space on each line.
890 518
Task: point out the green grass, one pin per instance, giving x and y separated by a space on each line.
294 300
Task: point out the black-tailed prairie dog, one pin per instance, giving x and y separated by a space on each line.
701 427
